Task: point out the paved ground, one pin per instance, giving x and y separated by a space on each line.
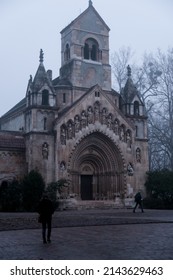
89 234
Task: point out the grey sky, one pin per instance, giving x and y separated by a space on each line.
28 25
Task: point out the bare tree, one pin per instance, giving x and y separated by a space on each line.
119 61
158 154
145 76
161 121
154 81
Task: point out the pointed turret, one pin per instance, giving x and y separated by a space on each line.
130 90
41 86
41 77
131 103
133 107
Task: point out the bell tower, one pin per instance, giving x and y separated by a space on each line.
85 51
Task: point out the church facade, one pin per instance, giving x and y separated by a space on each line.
76 126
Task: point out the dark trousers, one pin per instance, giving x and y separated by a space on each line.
140 205
46 228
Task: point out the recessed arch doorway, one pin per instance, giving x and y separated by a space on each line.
96 168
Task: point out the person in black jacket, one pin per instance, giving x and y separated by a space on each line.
138 201
46 209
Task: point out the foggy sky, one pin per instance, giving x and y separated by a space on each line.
28 25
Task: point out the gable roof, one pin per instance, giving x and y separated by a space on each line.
88 10
20 106
93 88
130 90
74 103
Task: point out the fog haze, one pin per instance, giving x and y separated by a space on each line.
28 25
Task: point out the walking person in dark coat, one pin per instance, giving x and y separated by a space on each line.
46 209
138 201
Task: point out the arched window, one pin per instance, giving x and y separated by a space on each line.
94 52
136 127
136 108
91 49
97 94
86 51
45 123
64 98
45 97
67 53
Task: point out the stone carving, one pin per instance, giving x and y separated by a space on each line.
90 150
10 154
86 169
116 126
83 119
30 78
70 130
45 150
122 134
104 116
63 135
109 121
62 166
96 111
90 115
128 139
138 155
130 170
41 57
77 123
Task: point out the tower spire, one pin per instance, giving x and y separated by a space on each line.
90 3
41 55
129 71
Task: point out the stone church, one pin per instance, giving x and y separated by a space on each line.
76 126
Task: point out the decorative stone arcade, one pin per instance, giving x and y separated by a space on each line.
97 168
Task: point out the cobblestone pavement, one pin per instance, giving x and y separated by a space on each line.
90 234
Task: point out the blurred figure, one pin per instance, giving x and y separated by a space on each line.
46 209
138 201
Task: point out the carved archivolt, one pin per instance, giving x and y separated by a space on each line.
98 154
90 116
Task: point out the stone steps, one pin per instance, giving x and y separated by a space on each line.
96 204
71 204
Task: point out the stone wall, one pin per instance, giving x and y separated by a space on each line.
13 123
12 156
40 154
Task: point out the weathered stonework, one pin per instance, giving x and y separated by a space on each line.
76 126
12 156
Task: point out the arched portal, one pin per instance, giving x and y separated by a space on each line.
96 168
